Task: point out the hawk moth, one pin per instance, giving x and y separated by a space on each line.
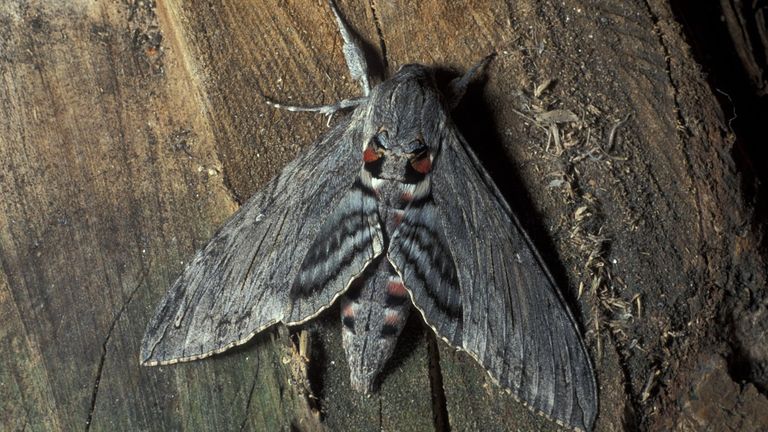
389 212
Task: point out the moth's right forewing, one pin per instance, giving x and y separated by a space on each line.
240 282
515 322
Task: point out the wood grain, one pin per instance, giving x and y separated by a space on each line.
132 129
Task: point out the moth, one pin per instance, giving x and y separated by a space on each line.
389 213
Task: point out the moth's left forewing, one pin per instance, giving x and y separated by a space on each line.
513 320
242 281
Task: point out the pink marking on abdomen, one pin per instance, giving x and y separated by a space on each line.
348 312
397 217
396 288
393 318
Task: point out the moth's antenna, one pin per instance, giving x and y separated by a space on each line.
322 109
328 110
458 86
353 52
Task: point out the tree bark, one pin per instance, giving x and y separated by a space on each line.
132 129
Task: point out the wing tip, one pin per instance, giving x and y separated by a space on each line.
585 424
146 357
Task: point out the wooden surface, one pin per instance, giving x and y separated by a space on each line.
131 129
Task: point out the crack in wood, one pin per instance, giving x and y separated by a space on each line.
659 32
103 357
250 396
439 403
227 183
380 34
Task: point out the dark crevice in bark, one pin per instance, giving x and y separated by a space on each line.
659 32
103 357
439 403
227 183
382 42
381 415
250 397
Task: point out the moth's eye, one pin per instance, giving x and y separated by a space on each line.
380 140
376 147
421 161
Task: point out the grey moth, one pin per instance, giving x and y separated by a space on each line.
389 213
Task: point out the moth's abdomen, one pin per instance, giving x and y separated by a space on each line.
373 313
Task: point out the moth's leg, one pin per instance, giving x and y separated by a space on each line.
353 52
458 86
322 109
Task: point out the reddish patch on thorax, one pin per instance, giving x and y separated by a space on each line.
370 155
422 165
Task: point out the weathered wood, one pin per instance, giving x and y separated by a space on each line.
130 130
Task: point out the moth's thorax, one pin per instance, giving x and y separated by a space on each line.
393 193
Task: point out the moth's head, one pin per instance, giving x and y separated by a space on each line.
401 125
